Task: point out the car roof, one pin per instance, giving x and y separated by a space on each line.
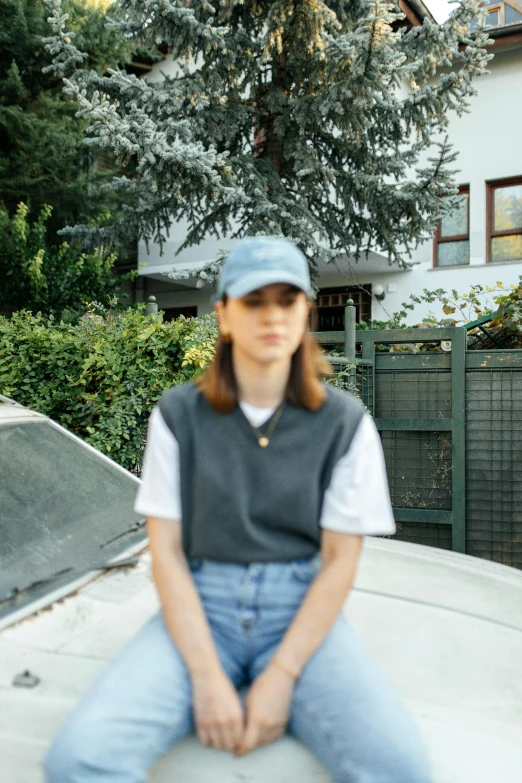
454 582
13 411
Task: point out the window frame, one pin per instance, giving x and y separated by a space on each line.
491 186
513 8
499 7
438 239
360 294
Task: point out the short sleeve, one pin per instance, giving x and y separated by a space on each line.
160 492
357 500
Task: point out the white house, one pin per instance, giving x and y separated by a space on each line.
480 244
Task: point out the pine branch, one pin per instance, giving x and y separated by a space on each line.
65 55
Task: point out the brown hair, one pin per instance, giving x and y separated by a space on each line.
304 388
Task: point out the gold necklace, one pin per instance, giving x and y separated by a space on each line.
264 438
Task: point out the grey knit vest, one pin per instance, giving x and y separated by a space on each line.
242 503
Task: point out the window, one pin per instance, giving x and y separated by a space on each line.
504 220
171 313
492 18
511 15
500 14
452 234
328 315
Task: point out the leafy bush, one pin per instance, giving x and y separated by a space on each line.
502 329
345 378
101 377
463 308
52 279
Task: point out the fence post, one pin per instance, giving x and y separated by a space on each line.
152 306
349 330
458 438
349 337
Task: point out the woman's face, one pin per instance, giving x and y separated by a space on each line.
266 325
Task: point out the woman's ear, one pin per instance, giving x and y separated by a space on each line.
219 307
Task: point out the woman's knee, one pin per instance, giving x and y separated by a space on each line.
66 756
87 747
92 745
402 762
396 765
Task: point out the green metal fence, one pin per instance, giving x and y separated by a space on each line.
451 426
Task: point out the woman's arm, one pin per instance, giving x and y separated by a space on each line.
268 702
324 601
217 708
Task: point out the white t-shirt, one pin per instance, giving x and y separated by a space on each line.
357 500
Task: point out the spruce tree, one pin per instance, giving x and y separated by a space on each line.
318 121
43 158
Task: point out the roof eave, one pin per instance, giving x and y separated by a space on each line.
422 11
505 29
507 35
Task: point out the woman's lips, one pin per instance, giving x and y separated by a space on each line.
271 339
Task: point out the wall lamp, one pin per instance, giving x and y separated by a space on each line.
378 292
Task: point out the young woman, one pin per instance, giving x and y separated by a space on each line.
259 482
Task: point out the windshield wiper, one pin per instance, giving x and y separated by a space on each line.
17 591
134 528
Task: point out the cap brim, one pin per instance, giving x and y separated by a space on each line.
254 280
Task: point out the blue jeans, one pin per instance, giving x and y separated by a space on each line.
343 708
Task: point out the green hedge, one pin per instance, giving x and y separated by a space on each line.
101 377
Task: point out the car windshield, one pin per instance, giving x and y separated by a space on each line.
60 502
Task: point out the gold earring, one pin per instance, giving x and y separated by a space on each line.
225 336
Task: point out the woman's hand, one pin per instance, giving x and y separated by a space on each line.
218 711
267 708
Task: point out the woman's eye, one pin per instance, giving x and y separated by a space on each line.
285 301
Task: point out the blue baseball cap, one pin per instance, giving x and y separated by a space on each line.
258 261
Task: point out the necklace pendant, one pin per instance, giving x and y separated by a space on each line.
263 442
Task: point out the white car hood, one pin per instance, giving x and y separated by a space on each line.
445 628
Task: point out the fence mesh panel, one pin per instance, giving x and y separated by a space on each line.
413 394
365 383
494 465
419 468
419 463
422 533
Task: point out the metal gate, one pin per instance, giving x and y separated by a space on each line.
451 427
418 402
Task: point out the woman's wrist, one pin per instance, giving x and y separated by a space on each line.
204 669
285 667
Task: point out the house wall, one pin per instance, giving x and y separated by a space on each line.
488 140
168 294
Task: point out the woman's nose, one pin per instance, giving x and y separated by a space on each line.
272 312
